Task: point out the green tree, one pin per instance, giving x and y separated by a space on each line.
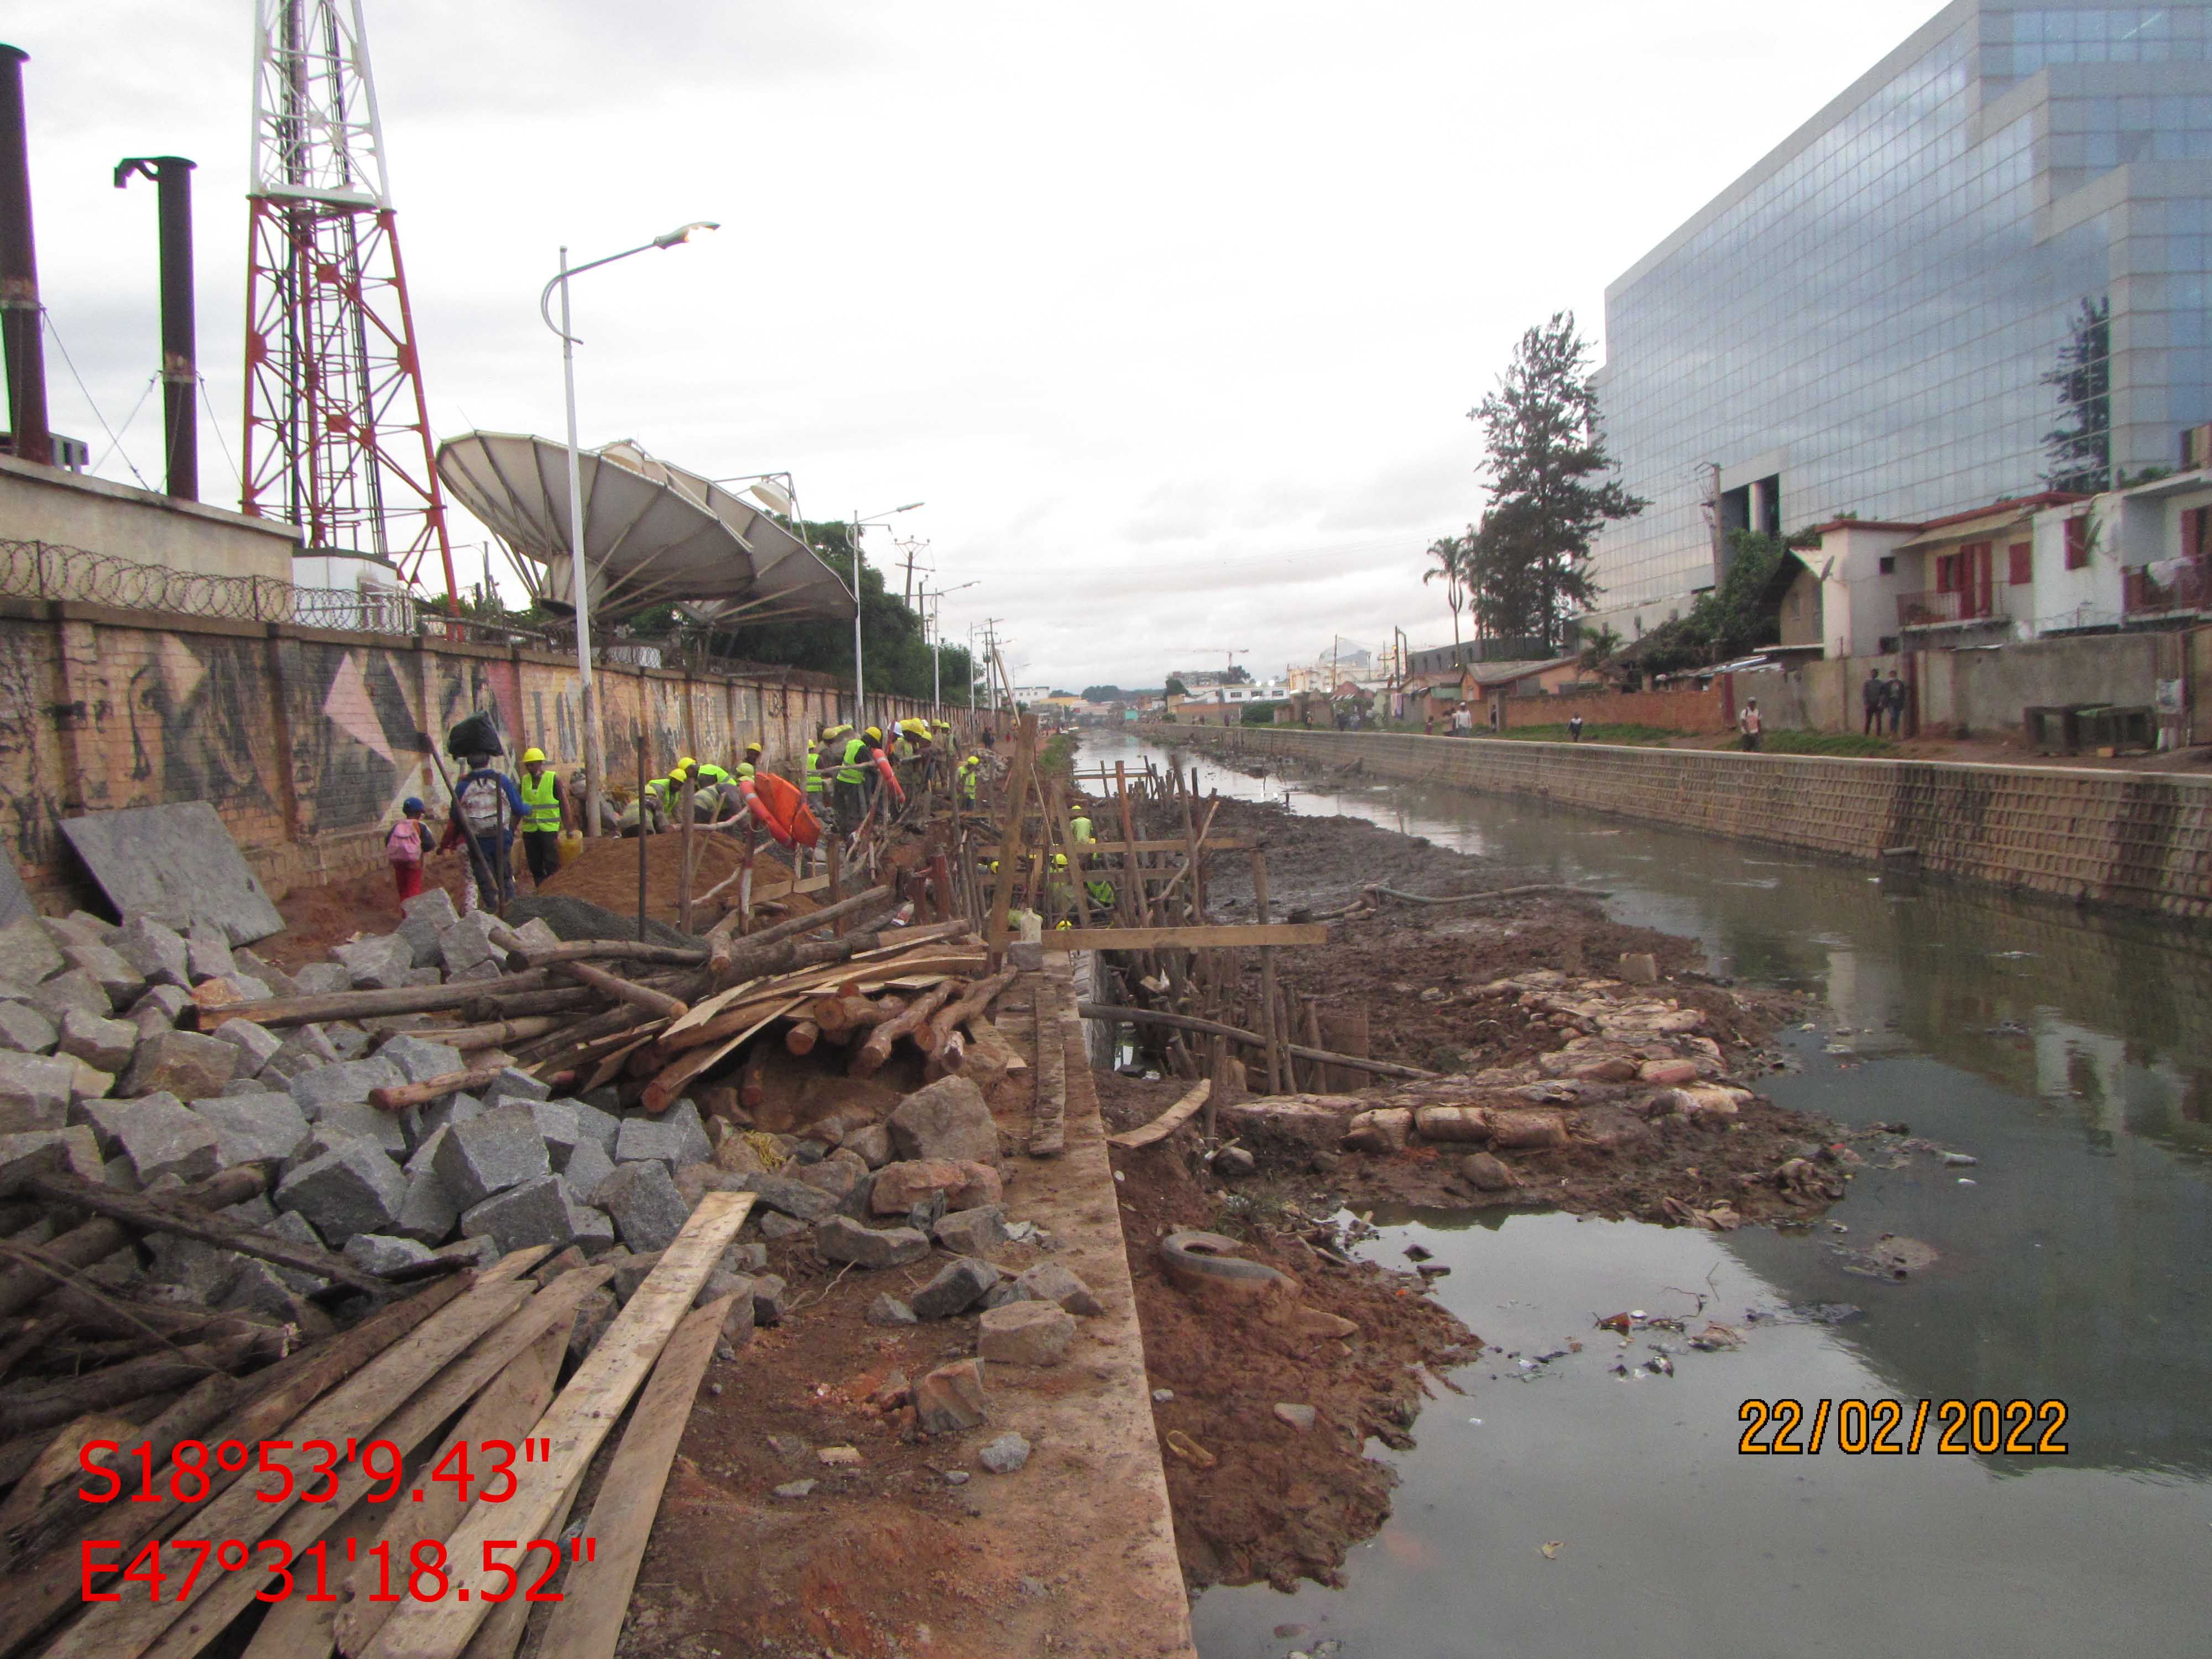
1104 694
2077 453
897 655
1175 688
1549 494
1503 568
1600 646
1732 619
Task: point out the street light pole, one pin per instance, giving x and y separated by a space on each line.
860 563
580 592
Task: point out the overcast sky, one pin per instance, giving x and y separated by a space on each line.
1171 313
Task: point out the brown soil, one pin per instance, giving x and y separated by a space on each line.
605 874
1278 1504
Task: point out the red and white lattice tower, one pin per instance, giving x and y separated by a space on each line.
337 432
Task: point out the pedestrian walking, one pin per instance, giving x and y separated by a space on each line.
1892 700
1574 728
1748 722
1871 700
487 808
406 847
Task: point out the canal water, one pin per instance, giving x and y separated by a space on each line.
1579 1501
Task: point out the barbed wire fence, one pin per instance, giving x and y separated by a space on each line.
55 571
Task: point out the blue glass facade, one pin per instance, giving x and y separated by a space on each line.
1865 321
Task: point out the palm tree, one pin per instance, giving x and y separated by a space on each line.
1450 553
1601 646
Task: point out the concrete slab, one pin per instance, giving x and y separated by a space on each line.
176 862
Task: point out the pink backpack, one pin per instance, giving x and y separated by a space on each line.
404 844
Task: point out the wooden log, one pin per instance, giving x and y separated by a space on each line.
497 1035
972 1001
1212 1027
877 1049
616 950
595 1597
100 1238
950 1056
54 1579
665 1089
802 1036
1271 1038
586 1411
841 1017
164 1214
28 1412
398 1097
573 1032
1491 893
363 1005
502 1004
656 1003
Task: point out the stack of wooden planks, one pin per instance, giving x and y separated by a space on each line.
403 1489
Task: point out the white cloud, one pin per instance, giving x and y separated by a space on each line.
1172 314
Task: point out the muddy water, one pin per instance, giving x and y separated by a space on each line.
2072 1057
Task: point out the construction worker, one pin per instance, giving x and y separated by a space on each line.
749 763
1079 828
545 815
580 794
1101 892
852 776
1060 889
706 775
968 771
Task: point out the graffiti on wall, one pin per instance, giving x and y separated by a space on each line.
196 708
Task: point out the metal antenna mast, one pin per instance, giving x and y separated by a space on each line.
337 432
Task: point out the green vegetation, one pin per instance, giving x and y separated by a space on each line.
1825 743
1733 619
1175 687
1259 714
1057 758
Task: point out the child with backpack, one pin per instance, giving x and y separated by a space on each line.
405 848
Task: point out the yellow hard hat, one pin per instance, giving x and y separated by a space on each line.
685 764
529 755
875 734
1060 860
972 760
752 749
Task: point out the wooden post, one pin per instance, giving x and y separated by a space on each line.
684 874
836 871
641 817
1266 975
1011 834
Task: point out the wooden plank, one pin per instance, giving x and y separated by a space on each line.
54 1580
1212 936
507 1410
578 1420
124 1629
408 1427
588 1620
499 1636
1047 1135
1167 1122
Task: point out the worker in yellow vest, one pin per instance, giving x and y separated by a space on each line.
968 770
707 776
850 779
751 762
545 815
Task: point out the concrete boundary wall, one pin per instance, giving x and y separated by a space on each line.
305 740
2139 840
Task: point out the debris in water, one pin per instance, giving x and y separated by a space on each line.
1960 1160
1551 1550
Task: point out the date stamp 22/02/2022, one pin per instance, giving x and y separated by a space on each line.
2017 1428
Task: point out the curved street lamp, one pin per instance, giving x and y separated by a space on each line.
595 767
858 523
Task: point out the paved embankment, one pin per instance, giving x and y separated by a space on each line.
2134 840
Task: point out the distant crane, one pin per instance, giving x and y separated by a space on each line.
1229 656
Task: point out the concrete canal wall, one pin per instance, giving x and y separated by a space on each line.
2139 840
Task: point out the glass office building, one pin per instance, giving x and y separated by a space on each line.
1999 234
